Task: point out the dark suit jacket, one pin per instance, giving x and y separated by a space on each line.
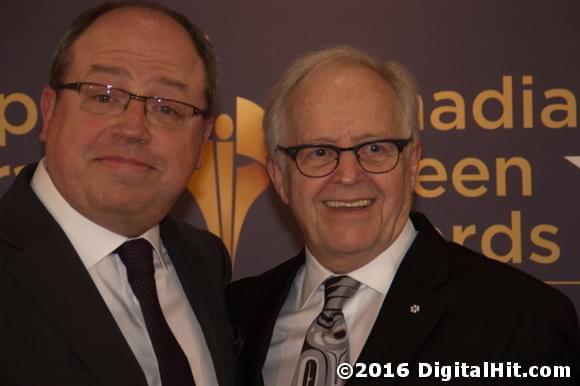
472 309
55 329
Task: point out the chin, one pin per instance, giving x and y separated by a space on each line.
354 237
121 203
352 247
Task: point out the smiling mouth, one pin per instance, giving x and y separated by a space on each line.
349 204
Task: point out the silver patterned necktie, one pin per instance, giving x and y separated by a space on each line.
326 342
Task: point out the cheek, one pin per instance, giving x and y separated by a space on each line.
71 138
180 154
396 191
390 187
304 197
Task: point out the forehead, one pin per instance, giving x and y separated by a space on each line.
142 43
345 102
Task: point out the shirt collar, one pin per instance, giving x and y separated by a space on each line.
377 274
91 241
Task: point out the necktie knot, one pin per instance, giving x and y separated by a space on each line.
337 290
137 255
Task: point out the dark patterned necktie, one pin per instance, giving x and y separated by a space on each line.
137 255
326 342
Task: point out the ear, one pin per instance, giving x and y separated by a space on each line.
278 178
208 125
414 158
47 106
206 130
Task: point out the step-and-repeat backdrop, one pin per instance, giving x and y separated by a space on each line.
500 82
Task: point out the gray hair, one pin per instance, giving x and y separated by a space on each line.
395 75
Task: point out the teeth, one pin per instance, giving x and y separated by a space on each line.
349 204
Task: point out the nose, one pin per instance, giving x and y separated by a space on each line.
131 126
348 171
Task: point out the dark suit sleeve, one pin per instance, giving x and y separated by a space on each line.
547 335
225 265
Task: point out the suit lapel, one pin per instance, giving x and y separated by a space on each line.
281 287
193 275
49 270
277 286
411 308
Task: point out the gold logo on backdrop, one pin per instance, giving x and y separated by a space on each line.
17 129
224 191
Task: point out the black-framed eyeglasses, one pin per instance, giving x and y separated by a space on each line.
102 99
320 160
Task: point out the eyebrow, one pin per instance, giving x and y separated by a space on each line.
332 141
119 71
111 70
181 86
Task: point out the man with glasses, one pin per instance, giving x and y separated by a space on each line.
376 284
97 285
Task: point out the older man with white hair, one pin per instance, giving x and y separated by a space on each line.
376 283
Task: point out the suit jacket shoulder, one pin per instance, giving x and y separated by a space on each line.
215 255
448 303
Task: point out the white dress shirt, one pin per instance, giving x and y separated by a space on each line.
96 247
306 299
